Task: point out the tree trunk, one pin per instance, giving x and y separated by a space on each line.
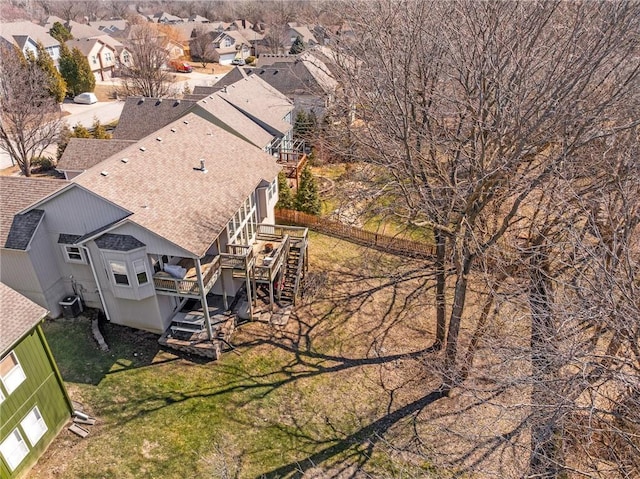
441 277
546 432
451 350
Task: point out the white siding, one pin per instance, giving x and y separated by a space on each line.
155 244
94 213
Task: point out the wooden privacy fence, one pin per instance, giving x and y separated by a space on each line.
385 243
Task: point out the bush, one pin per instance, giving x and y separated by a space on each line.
43 163
250 59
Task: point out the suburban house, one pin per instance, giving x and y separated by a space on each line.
294 31
231 45
34 402
169 222
305 79
248 108
78 30
26 35
101 56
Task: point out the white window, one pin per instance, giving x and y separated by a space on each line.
73 254
11 373
125 57
107 56
34 426
227 42
140 270
119 273
95 60
14 449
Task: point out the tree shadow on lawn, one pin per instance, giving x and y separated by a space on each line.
81 361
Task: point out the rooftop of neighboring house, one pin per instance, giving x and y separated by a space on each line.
16 194
305 34
257 98
295 74
23 29
78 30
160 181
85 45
110 41
229 117
142 116
18 316
83 153
238 40
109 26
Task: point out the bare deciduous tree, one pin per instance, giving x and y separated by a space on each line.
471 113
31 118
147 75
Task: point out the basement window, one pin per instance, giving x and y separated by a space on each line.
11 372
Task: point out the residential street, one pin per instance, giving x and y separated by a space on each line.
106 112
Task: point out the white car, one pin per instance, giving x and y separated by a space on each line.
86 98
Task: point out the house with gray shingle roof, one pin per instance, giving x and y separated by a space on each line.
35 404
26 35
248 108
101 56
170 219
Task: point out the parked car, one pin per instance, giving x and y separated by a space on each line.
238 61
87 98
180 66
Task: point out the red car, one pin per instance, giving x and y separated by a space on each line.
182 67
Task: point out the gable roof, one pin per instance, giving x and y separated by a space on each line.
142 116
18 316
86 45
227 116
305 75
9 31
162 185
16 194
258 99
109 26
305 34
82 153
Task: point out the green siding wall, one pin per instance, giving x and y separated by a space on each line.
41 388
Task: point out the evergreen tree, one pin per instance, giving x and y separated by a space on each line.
297 46
76 71
305 124
79 131
285 196
60 32
99 131
307 198
57 86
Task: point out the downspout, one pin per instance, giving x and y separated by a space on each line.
95 278
203 299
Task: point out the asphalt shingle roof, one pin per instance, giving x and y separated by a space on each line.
115 242
18 316
162 185
33 30
22 229
17 193
82 153
142 116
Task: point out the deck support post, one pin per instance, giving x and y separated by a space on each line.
203 299
225 301
249 294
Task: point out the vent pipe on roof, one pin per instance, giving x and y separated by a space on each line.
202 167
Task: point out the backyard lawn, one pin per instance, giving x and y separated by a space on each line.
320 396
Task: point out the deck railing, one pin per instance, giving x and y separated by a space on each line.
210 268
266 272
237 257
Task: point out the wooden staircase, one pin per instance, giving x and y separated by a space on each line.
293 272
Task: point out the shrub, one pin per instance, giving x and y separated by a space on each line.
250 59
43 163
